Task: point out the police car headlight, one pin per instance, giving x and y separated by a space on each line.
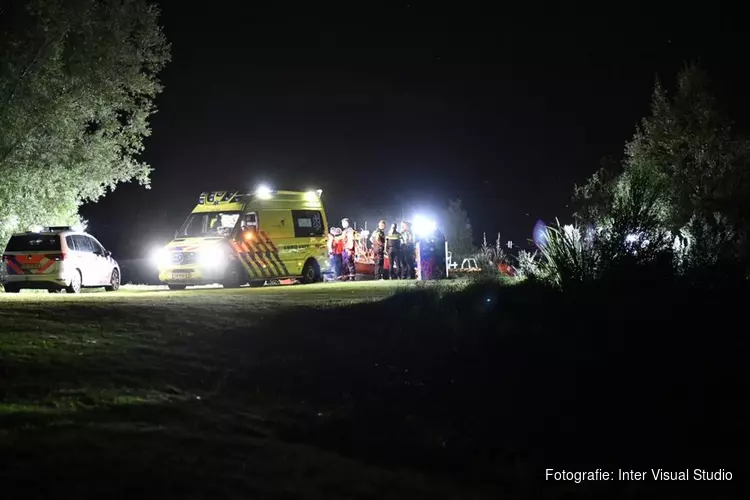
213 257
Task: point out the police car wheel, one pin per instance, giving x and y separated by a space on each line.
114 281
177 287
311 272
75 283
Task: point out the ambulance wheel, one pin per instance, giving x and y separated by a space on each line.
12 289
176 287
75 283
311 272
257 283
234 277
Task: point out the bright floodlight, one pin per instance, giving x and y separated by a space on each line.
311 196
263 192
423 226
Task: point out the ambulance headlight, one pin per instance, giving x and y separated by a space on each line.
160 258
213 257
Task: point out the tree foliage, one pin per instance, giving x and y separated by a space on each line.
77 86
684 176
458 230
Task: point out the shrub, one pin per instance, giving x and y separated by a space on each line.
566 257
528 265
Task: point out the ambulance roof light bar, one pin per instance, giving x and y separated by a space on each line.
217 197
263 192
313 195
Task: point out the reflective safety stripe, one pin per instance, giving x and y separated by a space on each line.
46 266
15 263
264 253
12 266
258 254
272 251
257 259
243 260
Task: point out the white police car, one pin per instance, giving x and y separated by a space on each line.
58 258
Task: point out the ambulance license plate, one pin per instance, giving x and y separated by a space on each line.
176 275
30 266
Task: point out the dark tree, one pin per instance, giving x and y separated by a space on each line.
684 171
77 84
457 228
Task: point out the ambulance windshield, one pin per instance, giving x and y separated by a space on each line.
209 224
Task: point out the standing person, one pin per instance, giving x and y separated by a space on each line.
349 271
335 250
338 252
378 249
406 266
329 247
393 249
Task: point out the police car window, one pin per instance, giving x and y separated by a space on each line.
307 223
33 243
83 244
95 246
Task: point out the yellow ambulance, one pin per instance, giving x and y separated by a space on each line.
235 238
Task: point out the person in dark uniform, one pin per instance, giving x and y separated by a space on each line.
378 248
406 266
393 250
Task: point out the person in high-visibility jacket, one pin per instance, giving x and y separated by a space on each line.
378 249
336 251
349 271
393 250
406 266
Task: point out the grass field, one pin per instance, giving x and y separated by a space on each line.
189 394
371 390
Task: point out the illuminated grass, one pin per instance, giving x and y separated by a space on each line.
181 394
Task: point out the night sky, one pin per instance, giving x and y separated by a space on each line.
401 108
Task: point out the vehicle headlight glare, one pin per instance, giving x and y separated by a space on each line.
160 258
212 257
